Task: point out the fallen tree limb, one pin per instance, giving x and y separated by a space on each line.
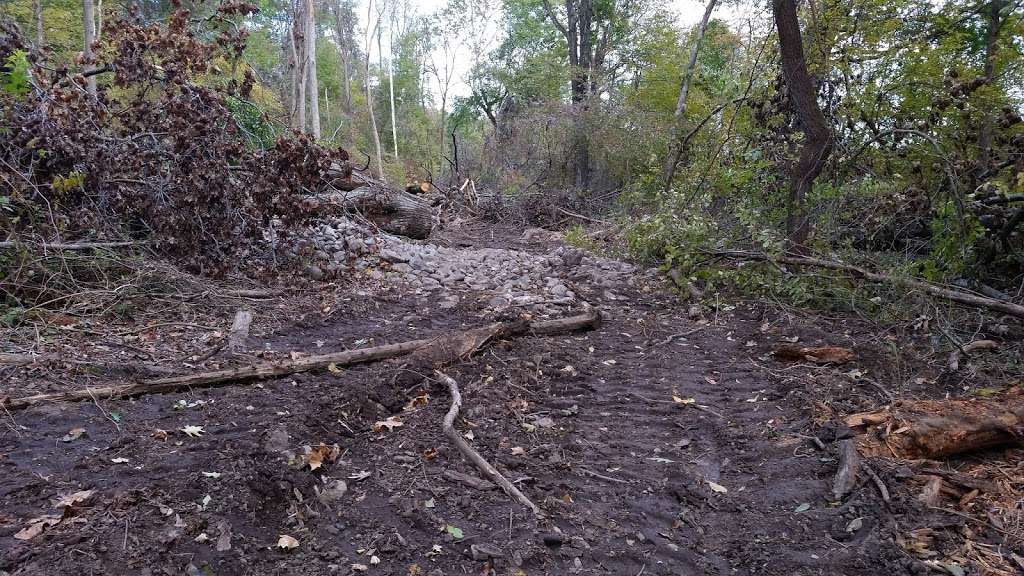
849 465
439 349
472 455
933 429
943 292
75 246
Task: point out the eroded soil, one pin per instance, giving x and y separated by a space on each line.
633 481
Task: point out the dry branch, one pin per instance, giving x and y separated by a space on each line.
849 464
585 321
943 292
76 246
472 455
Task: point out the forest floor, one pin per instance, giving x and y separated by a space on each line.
632 480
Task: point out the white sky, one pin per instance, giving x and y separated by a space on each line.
688 13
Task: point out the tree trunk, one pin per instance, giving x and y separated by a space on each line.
37 11
312 90
89 27
817 141
99 19
369 93
581 93
995 23
675 151
391 85
298 69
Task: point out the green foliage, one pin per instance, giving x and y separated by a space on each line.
16 80
258 129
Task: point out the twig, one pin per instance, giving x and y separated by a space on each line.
582 217
882 489
76 246
674 336
471 454
602 476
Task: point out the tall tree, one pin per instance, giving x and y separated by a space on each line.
995 20
312 90
37 12
89 28
369 93
297 62
816 144
675 142
588 40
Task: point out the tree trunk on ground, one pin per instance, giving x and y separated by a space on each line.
817 138
394 211
931 429
675 150
89 28
37 12
309 55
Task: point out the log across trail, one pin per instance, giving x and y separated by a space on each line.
438 351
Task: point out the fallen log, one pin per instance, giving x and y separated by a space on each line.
849 465
454 345
239 330
943 292
933 429
395 211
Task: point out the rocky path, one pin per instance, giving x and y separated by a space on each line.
660 444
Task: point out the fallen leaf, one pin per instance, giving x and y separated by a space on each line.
69 500
417 402
717 487
683 401
202 538
193 431
855 524
213 475
73 434
316 455
333 369
518 451
430 453
454 531
36 526
429 503
802 508
374 560
115 416
159 434
360 567
286 542
390 423
119 460
362 475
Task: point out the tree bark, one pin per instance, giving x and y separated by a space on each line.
99 19
817 140
675 151
313 89
89 28
369 92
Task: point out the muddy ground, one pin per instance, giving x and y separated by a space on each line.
632 481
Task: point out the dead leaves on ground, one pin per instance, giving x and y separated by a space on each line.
315 456
68 504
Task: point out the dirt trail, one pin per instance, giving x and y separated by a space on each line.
633 481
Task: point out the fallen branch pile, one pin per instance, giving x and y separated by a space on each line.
436 351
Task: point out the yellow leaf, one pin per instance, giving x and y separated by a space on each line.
286 542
